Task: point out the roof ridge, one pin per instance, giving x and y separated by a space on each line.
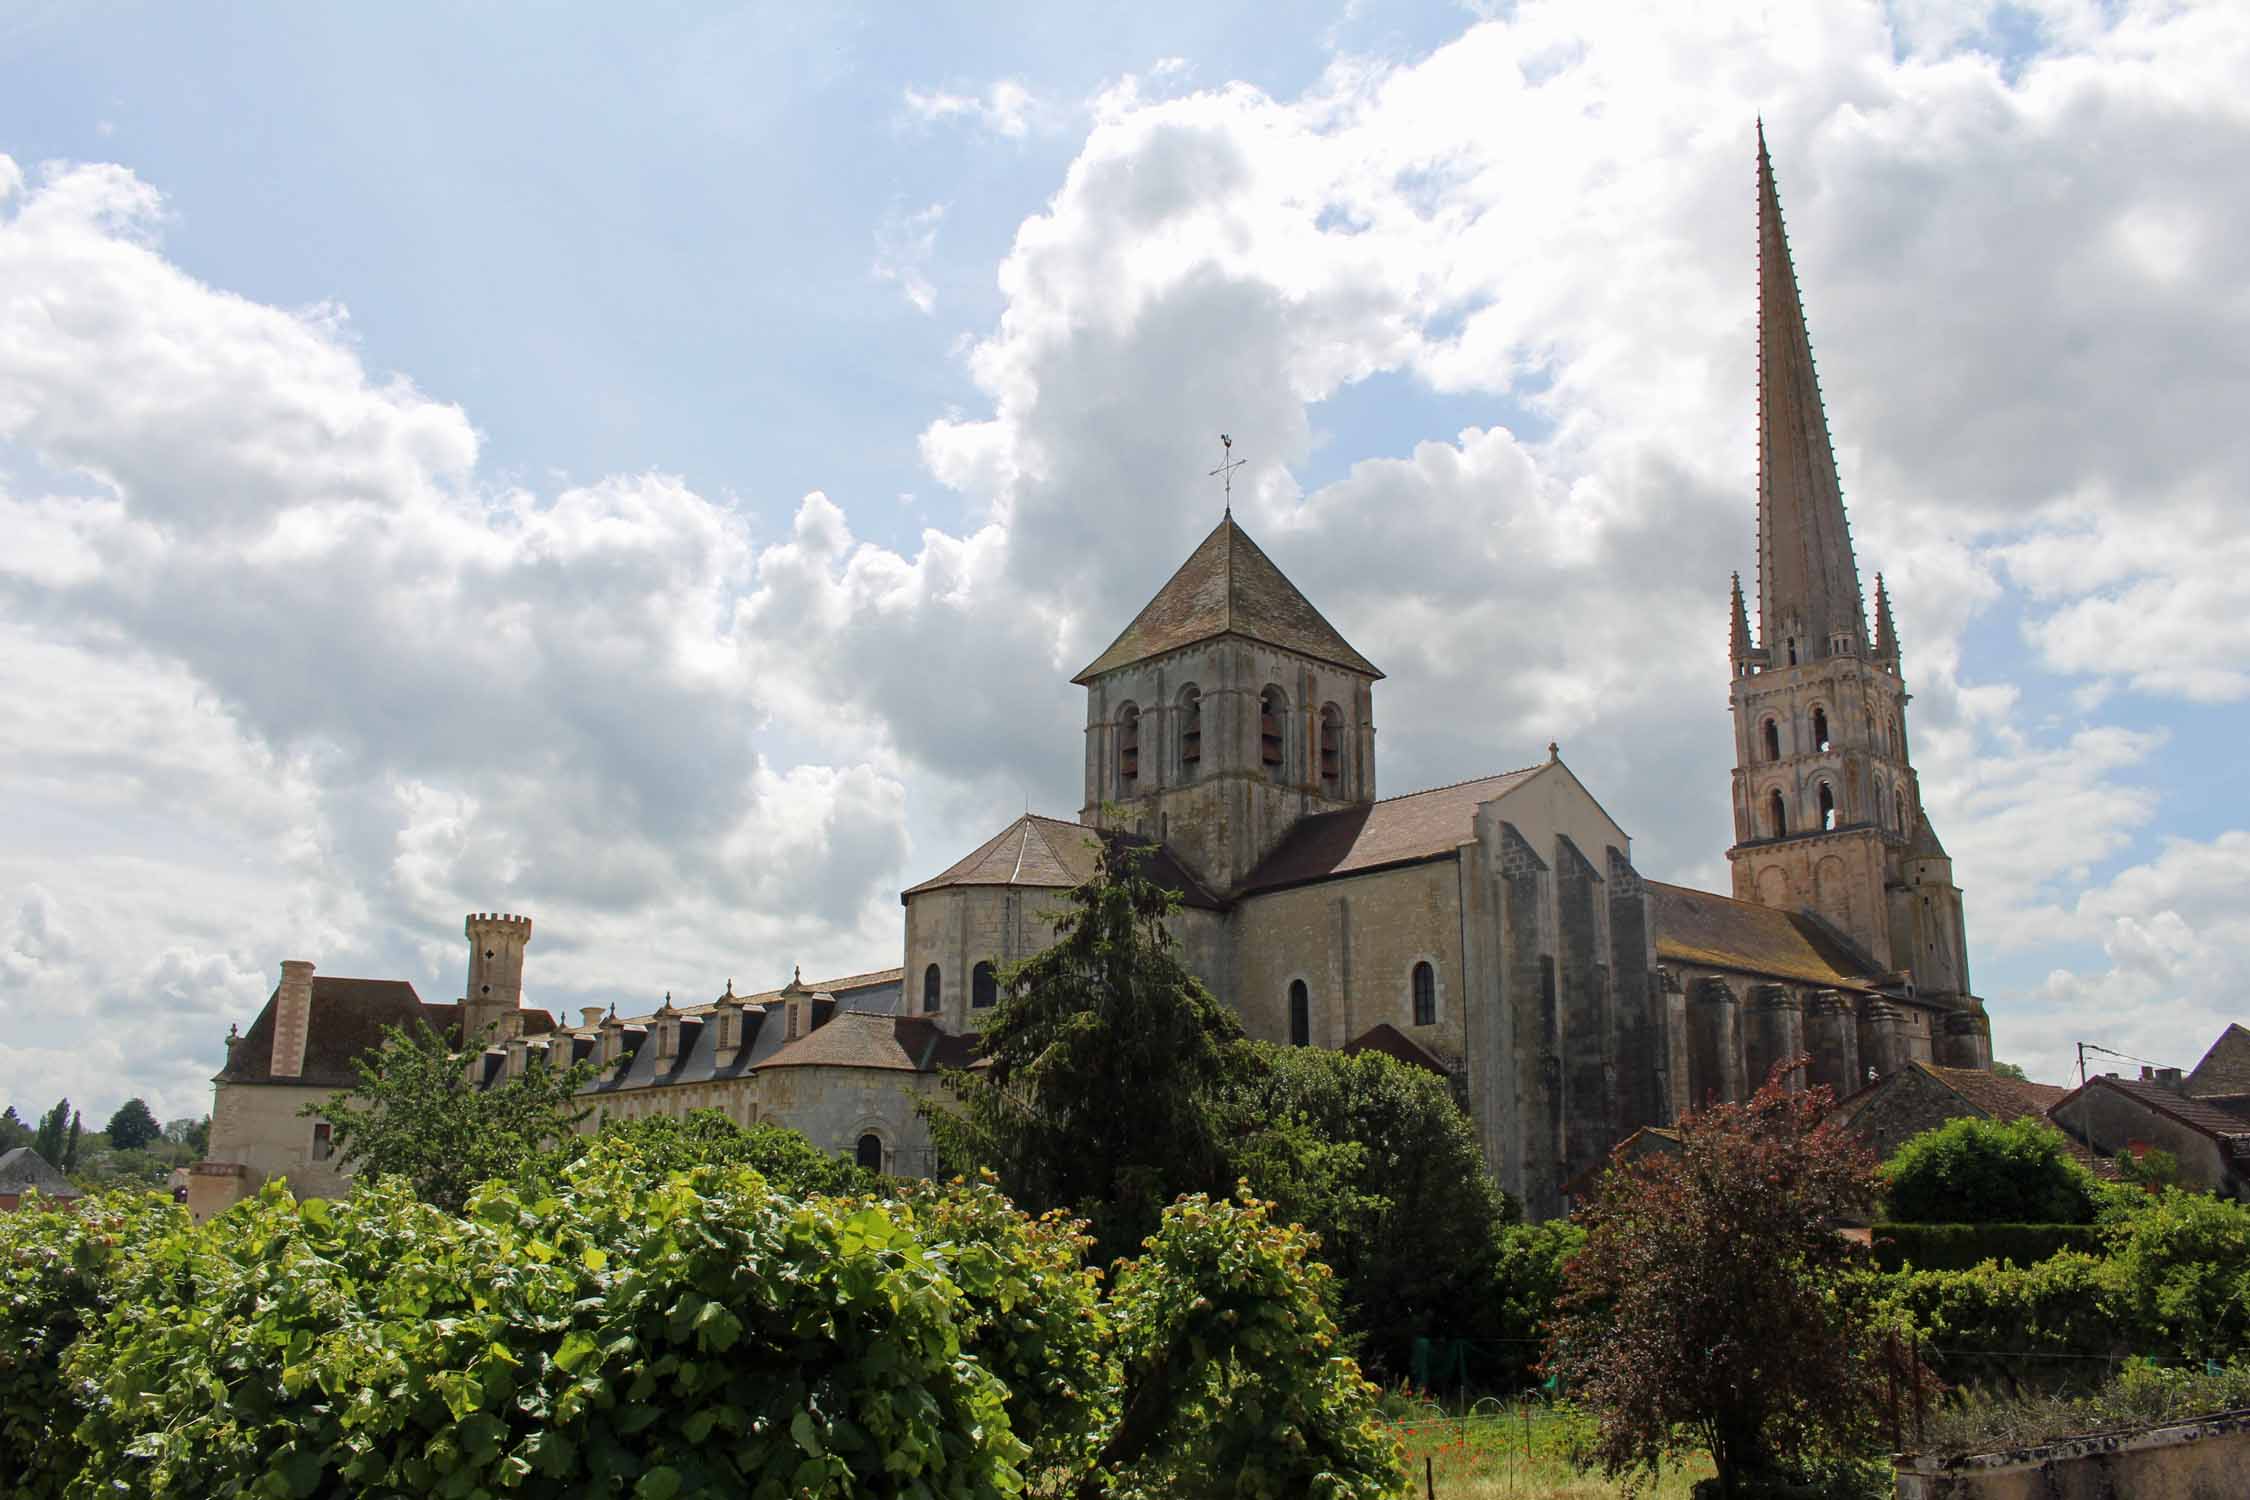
1452 785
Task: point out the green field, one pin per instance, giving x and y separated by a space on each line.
1493 1451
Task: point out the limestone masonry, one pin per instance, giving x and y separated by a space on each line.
1494 930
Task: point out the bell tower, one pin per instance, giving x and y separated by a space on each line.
1827 806
495 989
1225 712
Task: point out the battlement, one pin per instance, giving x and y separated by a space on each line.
496 922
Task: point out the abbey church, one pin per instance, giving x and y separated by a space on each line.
1495 930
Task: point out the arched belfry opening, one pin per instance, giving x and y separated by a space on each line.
1273 730
1777 816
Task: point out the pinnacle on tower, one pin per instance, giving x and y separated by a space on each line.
1808 585
1738 641
1886 634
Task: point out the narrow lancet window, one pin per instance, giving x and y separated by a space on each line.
1331 749
1820 728
1770 734
984 986
1425 995
1777 817
1827 806
1273 717
1300 1014
931 983
1191 732
1129 747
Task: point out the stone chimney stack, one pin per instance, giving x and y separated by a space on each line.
495 988
292 1018
589 1016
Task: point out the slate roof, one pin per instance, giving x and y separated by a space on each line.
1697 927
1227 586
347 1019
1394 1043
24 1169
2193 1113
1925 844
856 1039
2225 1069
1395 831
1052 854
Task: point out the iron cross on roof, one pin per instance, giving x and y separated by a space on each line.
1228 463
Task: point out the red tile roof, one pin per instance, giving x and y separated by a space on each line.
1227 587
1395 831
2004 1099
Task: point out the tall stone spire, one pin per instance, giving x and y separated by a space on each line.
1808 586
1886 634
1738 642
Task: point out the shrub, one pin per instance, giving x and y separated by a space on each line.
698 1336
1960 1247
2143 1395
2183 1260
1983 1323
1978 1171
58 1270
662 1144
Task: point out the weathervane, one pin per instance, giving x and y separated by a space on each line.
1225 471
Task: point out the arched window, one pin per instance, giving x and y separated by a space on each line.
1191 731
1770 733
930 987
1882 805
1827 807
1273 718
1792 651
1777 817
984 986
1425 995
870 1152
1300 1014
1820 728
1129 747
1331 749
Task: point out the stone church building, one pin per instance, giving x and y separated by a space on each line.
1495 929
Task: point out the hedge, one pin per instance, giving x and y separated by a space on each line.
1962 1247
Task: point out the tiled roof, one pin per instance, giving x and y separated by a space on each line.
849 987
347 1019
1052 854
2004 1099
1227 587
857 1039
2193 1113
1395 831
1697 927
1394 1043
24 1168
2225 1069
1925 844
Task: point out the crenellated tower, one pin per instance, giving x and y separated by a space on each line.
1827 807
495 988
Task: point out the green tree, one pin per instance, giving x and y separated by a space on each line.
191 1135
1104 1060
1713 1304
789 1163
2010 1071
1973 1170
1377 1158
413 1115
13 1131
53 1133
133 1127
1235 1382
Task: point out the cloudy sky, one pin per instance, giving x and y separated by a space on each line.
657 467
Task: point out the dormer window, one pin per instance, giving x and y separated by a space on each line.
1331 749
1129 747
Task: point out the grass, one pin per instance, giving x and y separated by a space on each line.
1495 1451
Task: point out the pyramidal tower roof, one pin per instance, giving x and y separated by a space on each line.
1805 567
1227 587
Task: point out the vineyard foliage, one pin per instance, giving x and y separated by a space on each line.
635 1329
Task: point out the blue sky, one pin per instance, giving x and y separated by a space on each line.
658 468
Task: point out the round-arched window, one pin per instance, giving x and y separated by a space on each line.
984 986
1425 994
870 1152
1300 1014
1191 731
1331 749
931 987
1777 817
1273 725
1769 734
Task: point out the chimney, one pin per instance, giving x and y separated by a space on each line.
2164 1078
589 1016
292 1018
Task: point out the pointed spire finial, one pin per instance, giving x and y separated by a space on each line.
1738 635
1886 633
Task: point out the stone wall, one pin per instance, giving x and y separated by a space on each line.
2201 1459
834 1107
1354 942
256 1126
2113 1122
